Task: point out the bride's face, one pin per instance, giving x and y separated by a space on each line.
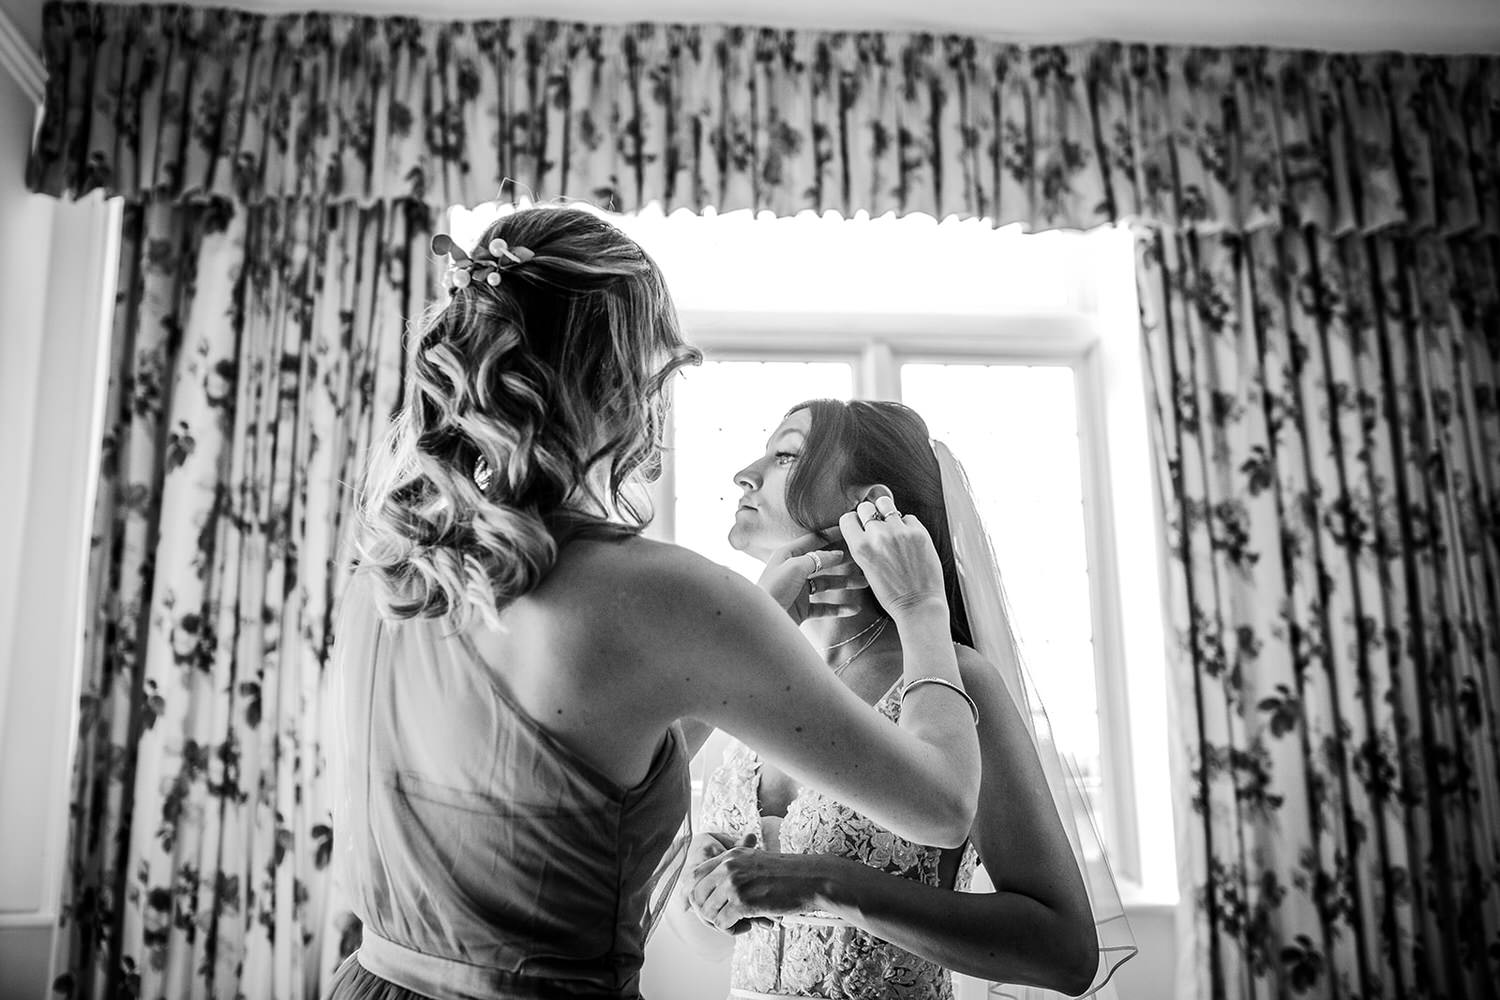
762 523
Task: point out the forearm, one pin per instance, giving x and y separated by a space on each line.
936 715
1000 936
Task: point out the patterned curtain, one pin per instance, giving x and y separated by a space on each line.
1318 272
255 352
1328 419
190 102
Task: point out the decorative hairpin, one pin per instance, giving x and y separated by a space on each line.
464 269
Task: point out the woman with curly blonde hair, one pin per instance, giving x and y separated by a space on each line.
514 662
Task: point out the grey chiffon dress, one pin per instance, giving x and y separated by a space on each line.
486 860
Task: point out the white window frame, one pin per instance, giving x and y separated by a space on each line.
877 346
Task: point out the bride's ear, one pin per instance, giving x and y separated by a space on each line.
862 493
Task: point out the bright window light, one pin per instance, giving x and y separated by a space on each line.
737 262
1015 429
994 336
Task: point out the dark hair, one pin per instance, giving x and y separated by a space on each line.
877 441
516 392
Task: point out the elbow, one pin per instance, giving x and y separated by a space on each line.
954 822
1077 962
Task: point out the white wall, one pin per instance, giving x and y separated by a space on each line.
50 340
24 932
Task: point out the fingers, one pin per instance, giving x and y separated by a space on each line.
718 909
710 884
819 560
844 577
859 522
703 847
723 907
704 868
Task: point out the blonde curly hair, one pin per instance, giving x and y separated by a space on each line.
518 397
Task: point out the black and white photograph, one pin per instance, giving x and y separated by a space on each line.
679 500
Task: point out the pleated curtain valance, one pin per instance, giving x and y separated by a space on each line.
182 103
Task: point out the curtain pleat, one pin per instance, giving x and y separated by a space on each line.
257 352
189 103
1326 423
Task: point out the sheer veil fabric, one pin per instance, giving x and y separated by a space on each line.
995 639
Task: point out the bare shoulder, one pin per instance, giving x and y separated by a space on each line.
622 564
662 595
658 577
669 622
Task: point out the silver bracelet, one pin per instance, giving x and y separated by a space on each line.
906 690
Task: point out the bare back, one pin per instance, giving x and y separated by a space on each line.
623 638
570 656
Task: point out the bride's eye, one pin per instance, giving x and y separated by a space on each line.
785 457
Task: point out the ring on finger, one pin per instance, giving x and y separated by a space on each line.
817 561
886 506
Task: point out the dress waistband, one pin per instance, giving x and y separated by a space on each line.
451 979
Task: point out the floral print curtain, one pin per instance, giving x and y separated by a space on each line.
1328 438
256 351
1319 262
192 103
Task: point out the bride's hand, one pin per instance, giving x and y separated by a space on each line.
810 581
896 554
704 850
743 886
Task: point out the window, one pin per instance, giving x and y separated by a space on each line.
1020 353
1029 487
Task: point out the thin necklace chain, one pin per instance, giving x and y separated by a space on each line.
839 670
858 635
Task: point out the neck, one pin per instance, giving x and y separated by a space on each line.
827 632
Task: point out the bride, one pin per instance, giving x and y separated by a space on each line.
817 899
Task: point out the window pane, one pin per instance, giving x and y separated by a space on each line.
1015 429
723 412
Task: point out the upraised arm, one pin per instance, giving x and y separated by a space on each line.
730 658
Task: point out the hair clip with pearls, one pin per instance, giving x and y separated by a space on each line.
463 269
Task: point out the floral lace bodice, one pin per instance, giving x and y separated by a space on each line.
817 955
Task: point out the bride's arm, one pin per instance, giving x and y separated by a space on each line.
1034 929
